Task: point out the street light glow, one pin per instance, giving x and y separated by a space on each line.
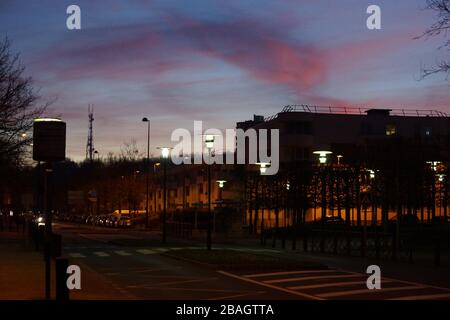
434 164
47 120
322 155
209 141
221 183
165 152
263 166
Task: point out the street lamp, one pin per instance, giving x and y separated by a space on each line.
262 170
339 157
221 184
147 169
165 152
322 155
263 166
209 142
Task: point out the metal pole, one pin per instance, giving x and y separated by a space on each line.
148 173
165 201
48 230
209 204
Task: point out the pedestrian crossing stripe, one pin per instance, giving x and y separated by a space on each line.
122 253
332 284
260 275
424 297
402 290
146 251
77 255
340 276
354 292
101 254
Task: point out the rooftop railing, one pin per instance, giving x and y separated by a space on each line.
357 111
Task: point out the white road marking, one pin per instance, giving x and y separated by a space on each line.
259 275
76 255
332 284
161 249
300 294
424 297
122 253
353 292
101 254
313 278
146 251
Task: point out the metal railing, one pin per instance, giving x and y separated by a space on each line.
357 111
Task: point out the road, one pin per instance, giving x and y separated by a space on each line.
146 272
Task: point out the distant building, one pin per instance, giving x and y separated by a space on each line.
304 129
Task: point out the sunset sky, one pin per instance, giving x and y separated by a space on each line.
218 61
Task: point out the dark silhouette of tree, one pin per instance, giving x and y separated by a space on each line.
18 108
440 27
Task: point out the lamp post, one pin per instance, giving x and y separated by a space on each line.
165 152
262 170
209 142
221 184
323 161
147 169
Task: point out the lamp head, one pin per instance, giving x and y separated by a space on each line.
209 141
165 152
221 183
263 166
322 155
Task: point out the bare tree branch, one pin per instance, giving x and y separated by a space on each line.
441 26
18 107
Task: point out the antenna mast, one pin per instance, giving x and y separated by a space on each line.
90 142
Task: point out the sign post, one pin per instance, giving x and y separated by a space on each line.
49 145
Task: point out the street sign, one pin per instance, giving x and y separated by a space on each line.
49 140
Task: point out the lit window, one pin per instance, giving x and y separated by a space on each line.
390 129
428 131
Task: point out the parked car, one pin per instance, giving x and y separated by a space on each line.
124 221
333 220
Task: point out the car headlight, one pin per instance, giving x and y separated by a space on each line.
40 219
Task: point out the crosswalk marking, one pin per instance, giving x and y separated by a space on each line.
161 249
424 297
122 253
76 255
341 287
328 284
313 278
101 254
353 292
259 275
146 251
300 294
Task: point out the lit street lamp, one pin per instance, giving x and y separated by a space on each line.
209 142
165 152
221 184
262 170
322 161
147 169
322 155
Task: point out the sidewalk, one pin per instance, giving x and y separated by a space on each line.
22 274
